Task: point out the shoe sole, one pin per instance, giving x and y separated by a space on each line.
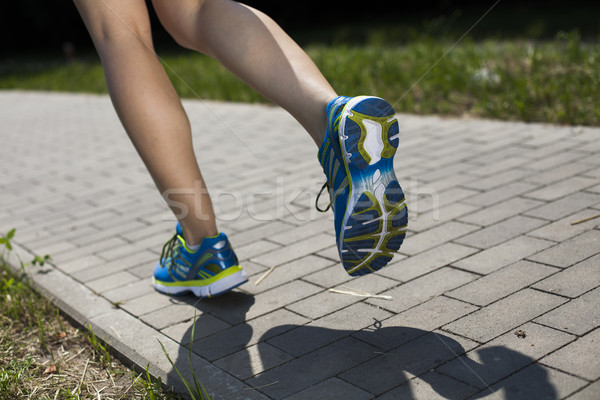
376 217
199 289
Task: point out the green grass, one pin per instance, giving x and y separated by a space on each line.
43 356
555 81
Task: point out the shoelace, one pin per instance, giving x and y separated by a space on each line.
168 251
325 185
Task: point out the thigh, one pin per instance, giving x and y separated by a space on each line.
115 20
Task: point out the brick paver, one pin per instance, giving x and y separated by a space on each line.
491 251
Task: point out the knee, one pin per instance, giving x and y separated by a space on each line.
180 21
114 35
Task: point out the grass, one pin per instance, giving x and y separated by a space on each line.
555 81
44 356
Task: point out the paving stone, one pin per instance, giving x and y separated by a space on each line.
594 189
173 314
504 315
556 160
332 389
330 276
206 325
494 258
592 392
326 302
57 247
330 252
247 334
505 355
112 281
502 193
254 249
568 316
316 367
500 232
86 250
287 273
392 368
296 250
129 291
147 303
253 270
501 283
80 264
145 258
430 386
452 181
146 270
423 263
563 229
422 289
260 232
562 188
419 222
122 230
426 199
500 179
253 360
440 173
574 281
281 296
500 211
593 173
534 382
295 234
415 322
414 244
558 174
568 205
325 330
501 165
571 251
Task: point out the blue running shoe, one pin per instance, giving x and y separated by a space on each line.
209 271
369 207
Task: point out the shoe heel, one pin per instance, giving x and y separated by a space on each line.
369 131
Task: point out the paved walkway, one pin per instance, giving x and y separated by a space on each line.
491 252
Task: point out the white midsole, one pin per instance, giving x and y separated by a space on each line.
218 287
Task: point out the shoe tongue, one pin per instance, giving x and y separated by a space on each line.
178 229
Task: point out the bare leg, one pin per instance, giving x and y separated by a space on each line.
257 50
150 109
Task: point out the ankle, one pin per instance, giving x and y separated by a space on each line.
194 235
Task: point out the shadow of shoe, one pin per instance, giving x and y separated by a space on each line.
290 360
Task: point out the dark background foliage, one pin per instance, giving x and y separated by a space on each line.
29 26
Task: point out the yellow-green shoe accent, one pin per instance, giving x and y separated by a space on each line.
211 270
369 206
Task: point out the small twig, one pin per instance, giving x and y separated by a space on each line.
74 355
130 386
360 293
259 280
78 389
585 219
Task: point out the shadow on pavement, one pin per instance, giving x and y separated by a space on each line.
377 359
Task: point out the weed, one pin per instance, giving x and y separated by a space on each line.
100 351
195 389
